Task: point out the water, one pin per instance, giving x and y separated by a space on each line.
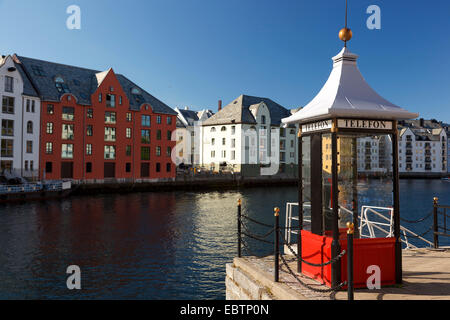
146 245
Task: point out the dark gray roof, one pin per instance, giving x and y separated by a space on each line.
28 88
238 112
82 83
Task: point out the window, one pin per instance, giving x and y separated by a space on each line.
28 105
169 120
89 131
111 100
30 127
213 154
213 129
233 143
224 154
90 113
224 141
29 146
33 104
263 119
158 151
128 133
48 167
49 148
158 119
100 97
233 129
49 127
120 100
50 109
168 167
169 135
7 148
128 151
26 165
110 117
127 167
32 165
146 121
213 141
169 151
110 152
129 117
158 167
67 151
158 135
223 129
8 105
61 86
110 134
145 153
88 149
7 127
233 155
145 136
88 167
68 113
67 131
9 84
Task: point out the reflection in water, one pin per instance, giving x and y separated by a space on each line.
149 245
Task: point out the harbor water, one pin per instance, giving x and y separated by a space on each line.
171 245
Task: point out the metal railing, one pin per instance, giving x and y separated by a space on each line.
438 229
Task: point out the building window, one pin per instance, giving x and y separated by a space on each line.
7 148
26 165
48 167
33 106
213 129
213 154
223 129
158 135
158 151
68 113
233 129
29 146
32 165
129 116
67 151
169 135
120 100
88 167
169 120
100 97
213 141
7 127
233 155
145 136
146 121
158 167
28 105
88 149
263 119
110 152
90 113
128 151
8 105
224 154
233 143
145 153
111 100
110 134
49 127
168 167
128 167
61 86
49 148
158 119
169 151
89 131
224 141
9 84
50 109
110 117
128 133
67 131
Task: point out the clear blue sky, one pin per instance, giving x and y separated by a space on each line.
195 52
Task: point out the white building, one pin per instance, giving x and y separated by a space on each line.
423 147
20 121
188 134
246 136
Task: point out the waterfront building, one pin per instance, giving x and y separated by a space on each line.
188 134
247 136
20 116
98 125
423 147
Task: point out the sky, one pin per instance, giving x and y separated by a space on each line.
196 52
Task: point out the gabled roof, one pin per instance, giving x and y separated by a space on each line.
238 111
82 83
28 88
347 94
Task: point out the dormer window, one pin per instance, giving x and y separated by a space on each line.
61 86
135 91
263 119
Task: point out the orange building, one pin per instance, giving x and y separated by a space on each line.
99 125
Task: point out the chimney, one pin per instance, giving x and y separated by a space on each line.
220 105
422 122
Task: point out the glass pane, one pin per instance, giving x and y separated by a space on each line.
306 175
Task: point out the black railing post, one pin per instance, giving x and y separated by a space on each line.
435 222
277 244
239 217
350 233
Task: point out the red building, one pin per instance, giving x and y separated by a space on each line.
99 125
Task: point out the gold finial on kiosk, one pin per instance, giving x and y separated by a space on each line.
345 34
351 228
277 211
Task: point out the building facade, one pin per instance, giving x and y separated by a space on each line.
20 117
99 125
246 136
